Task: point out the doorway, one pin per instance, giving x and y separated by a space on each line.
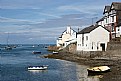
103 46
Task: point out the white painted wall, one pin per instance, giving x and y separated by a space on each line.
118 31
98 36
71 39
67 35
95 38
58 42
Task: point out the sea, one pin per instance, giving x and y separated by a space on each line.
14 63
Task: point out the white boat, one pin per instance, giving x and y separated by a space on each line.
99 69
55 52
37 67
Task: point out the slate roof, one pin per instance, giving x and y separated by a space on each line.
117 5
89 29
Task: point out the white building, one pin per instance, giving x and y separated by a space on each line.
67 37
93 38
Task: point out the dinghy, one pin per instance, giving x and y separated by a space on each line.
99 69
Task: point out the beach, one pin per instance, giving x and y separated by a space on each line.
113 63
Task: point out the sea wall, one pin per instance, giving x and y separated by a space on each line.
89 54
53 48
85 54
114 46
113 50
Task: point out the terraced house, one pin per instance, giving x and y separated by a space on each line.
112 19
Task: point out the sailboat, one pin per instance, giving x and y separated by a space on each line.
8 47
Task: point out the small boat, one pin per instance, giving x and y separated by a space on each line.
55 52
99 69
36 52
8 48
37 67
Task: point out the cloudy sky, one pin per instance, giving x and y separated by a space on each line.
43 21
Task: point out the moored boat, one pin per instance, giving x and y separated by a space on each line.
8 48
36 52
99 69
37 67
55 52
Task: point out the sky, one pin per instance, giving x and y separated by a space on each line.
43 21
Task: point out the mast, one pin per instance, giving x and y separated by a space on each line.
7 38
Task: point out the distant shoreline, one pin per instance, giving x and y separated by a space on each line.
114 64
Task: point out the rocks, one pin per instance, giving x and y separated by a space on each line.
53 48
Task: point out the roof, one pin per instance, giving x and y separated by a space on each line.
116 5
89 29
106 8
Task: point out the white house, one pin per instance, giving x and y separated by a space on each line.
72 39
68 36
92 38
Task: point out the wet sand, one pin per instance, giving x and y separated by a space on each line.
114 64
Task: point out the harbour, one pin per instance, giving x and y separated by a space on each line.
14 65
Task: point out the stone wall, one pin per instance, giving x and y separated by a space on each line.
53 48
114 46
89 54
113 50
85 54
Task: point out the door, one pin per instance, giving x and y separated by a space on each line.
103 46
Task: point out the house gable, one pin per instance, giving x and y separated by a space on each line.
92 41
106 9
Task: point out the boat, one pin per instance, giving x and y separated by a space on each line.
98 69
55 52
37 67
8 47
36 52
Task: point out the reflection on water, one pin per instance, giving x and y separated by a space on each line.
37 71
82 74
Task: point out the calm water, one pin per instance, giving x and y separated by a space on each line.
14 66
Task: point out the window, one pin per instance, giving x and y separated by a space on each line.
106 20
86 37
112 18
112 27
118 29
